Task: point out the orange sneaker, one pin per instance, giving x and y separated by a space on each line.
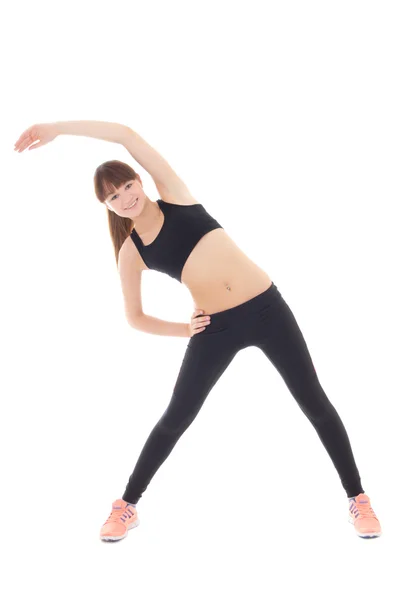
122 518
363 517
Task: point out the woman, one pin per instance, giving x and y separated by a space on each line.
241 307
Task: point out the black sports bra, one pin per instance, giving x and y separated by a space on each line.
183 227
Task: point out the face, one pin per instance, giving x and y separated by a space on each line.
121 200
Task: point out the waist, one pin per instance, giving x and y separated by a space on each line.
226 292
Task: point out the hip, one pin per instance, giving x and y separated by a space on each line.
240 326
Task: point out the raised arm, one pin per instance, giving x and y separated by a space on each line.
144 154
157 167
102 130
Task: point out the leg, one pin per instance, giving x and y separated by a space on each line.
205 360
282 341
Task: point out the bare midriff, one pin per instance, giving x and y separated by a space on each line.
219 275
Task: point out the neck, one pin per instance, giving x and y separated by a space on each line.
149 216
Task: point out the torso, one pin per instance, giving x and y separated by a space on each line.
217 273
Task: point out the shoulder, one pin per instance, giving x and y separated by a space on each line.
179 198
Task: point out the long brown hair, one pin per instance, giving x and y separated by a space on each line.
108 177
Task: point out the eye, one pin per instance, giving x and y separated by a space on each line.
111 199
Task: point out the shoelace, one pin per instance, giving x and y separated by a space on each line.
116 514
365 510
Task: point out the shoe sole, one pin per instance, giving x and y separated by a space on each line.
364 535
109 538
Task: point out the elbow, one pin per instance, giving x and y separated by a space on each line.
136 321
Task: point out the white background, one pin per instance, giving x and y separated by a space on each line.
283 120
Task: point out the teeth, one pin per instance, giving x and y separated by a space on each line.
133 203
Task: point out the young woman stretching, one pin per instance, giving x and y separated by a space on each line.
240 307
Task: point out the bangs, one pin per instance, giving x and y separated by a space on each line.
111 176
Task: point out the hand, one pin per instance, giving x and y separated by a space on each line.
44 132
196 324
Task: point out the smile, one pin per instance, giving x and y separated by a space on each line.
133 204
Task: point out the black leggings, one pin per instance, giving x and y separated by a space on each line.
266 322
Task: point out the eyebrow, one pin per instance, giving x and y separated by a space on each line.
113 193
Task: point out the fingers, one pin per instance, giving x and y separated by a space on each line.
26 138
32 146
23 142
21 138
36 146
199 323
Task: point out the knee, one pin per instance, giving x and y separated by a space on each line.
322 411
316 405
172 425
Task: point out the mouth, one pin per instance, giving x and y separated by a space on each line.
133 204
